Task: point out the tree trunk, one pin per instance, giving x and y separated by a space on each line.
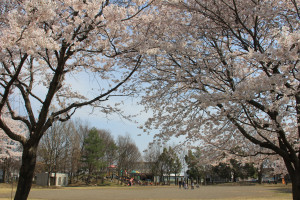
26 172
294 172
260 173
295 178
6 171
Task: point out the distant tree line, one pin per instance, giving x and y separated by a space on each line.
84 153
163 161
229 171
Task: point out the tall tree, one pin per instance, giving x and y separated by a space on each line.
51 149
77 142
110 151
93 154
227 72
48 45
128 154
223 170
195 169
173 163
151 155
236 169
240 170
110 147
249 170
161 164
167 163
176 168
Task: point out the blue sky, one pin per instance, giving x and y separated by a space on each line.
119 126
88 85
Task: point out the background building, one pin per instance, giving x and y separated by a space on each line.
56 179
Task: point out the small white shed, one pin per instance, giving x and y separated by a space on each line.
56 179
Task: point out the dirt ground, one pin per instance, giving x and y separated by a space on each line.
160 193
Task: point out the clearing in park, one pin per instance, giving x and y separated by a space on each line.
260 192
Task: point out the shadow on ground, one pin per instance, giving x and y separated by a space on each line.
287 190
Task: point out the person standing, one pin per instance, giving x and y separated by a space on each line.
192 185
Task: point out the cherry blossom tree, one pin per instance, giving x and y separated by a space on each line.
49 49
10 150
227 72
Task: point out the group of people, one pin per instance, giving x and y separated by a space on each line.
185 185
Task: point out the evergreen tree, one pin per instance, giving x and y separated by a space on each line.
223 170
93 154
177 167
161 164
249 170
195 171
168 163
236 169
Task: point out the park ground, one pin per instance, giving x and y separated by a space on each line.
217 192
